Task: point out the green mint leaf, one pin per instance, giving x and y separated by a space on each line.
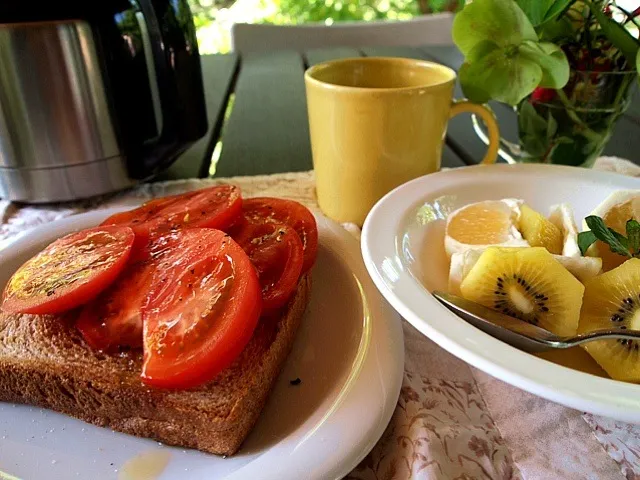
500 21
638 61
501 74
535 10
633 235
616 33
622 239
552 61
585 240
607 235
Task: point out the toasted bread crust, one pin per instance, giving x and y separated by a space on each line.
45 362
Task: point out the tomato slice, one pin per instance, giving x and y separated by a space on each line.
293 214
215 207
276 252
137 218
69 272
202 310
114 318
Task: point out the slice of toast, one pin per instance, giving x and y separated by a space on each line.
45 362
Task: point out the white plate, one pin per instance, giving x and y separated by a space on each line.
403 251
348 353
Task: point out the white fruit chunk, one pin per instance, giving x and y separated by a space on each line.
616 198
461 264
583 268
562 216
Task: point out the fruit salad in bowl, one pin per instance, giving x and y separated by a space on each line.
551 245
541 269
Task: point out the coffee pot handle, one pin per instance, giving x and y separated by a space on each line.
178 125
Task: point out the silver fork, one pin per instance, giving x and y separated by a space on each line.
519 333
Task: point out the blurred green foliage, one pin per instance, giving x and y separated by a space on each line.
302 11
213 18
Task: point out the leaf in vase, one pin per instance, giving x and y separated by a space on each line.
500 21
533 130
552 61
535 10
616 33
557 8
505 76
571 151
552 126
565 140
556 30
530 119
534 146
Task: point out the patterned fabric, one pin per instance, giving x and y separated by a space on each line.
620 440
452 421
440 429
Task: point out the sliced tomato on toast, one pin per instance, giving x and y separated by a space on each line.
277 254
137 218
214 207
202 310
69 272
291 213
114 318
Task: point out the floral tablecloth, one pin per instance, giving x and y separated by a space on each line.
452 421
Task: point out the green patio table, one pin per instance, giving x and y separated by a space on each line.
258 119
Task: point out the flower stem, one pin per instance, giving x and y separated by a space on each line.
585 130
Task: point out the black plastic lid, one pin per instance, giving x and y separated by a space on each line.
19 11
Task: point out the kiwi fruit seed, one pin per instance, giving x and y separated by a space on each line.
612 300
526 283
539 231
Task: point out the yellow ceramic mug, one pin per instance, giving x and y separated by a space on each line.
377 123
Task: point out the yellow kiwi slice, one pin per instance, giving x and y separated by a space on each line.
539 231
612 300
526 283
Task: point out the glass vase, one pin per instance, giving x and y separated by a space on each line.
570 126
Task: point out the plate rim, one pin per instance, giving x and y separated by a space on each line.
522 375
386 343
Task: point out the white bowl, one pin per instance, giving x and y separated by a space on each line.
402 244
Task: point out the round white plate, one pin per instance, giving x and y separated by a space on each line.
349 354
402 244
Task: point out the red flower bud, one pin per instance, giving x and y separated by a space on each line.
542 95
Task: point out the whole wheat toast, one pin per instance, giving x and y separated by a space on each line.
45 362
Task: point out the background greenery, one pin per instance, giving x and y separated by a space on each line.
213 18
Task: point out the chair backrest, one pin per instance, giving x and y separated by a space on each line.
433 29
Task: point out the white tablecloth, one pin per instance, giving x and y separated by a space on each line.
452 420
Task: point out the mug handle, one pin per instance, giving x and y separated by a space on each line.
489 118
